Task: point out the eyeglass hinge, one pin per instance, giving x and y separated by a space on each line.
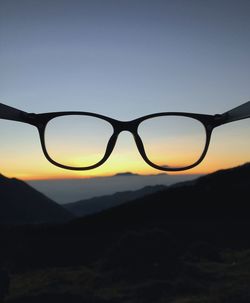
220 118
30 118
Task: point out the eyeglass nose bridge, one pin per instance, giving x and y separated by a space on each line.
130 126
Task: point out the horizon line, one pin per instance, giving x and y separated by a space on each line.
118 175
51 177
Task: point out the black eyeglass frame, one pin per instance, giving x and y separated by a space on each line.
209 122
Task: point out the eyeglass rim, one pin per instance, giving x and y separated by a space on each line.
42 121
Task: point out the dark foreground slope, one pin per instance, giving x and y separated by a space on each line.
21 204
189 243
215 208
220 197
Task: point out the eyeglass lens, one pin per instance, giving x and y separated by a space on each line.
173 141
77 140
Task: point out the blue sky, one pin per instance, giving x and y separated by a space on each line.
123 58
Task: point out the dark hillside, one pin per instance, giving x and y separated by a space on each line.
206 210
189 243
97 204
21 204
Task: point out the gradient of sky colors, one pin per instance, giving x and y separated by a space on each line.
123 59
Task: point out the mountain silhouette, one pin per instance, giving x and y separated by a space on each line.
174 245
125 174
21 204
222 196
97 204
76 189
212 209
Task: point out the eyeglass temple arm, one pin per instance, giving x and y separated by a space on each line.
11 113
237 113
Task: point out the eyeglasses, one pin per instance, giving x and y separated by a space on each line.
168 141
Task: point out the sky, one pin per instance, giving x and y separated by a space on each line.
123 59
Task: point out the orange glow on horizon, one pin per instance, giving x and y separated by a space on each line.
29 169
111 172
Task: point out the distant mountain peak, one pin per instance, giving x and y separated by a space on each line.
126 174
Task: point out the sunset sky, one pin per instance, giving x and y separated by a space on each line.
123 59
